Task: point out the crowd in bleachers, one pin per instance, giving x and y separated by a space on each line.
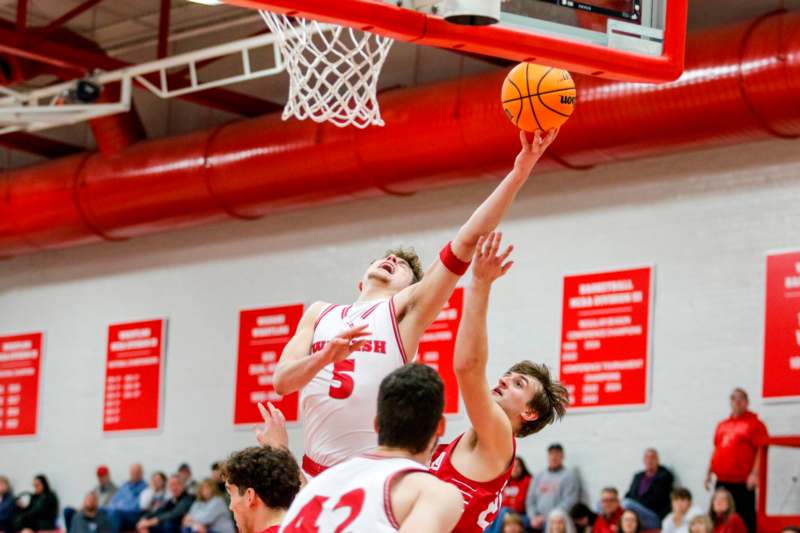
551 500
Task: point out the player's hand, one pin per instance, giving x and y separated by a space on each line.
707 482
341 346
752 481
488 264
273 434
531 151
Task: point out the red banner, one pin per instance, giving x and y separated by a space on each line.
605 338
20 363
134 372
782 327
438 345
263 333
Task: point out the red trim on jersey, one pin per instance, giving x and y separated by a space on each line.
323 313
396 328
451 262
370 310
345 310
387 492
312 467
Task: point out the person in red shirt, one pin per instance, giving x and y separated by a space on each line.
262 482
611 512
735 460
723 514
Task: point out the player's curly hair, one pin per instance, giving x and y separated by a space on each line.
409 255
550 403
271 472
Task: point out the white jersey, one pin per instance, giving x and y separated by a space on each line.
339 405
352 497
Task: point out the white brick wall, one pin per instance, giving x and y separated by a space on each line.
704 219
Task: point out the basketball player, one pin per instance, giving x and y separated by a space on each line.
340 353
262 482
389 489
525 400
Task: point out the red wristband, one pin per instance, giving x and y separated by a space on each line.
451 262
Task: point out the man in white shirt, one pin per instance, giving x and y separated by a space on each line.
682 512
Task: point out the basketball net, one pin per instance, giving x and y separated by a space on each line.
333 70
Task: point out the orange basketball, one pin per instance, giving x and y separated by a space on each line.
537 97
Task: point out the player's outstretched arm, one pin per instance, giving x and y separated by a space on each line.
298 366
420 303
472 348
435 506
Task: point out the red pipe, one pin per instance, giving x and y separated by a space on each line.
742 84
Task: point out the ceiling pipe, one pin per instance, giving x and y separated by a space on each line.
741 84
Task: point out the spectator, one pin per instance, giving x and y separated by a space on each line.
90 519
185 473
553 488
123 510
649 493
105 488
682 512
791 529
723 514
513 523
216 477
169 517
208 513
558 521
262 482
611 511
42 509
735 461
513 495
629 522
701 524
582 517
7 505
155 496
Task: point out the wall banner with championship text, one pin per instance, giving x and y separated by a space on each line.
134 383
606 326
20 370
263 333
781 378
437 347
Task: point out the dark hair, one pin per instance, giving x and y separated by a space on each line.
555 446
581 510
184 466
410 405
271 472
409 255
216 465
523 466
638 520
721 519
681 493
612 490
550 403
161 474
41 478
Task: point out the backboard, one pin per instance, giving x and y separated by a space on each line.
635 40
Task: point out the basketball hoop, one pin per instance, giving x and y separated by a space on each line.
333 70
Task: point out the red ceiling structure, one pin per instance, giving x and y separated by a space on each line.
741 84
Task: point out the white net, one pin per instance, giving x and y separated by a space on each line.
333 70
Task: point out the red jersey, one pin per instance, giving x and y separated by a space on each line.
515 492
734 524
736 442
482 499
608 525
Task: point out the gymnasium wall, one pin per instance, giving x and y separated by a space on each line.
704 219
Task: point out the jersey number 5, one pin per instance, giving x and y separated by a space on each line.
306 519
343 373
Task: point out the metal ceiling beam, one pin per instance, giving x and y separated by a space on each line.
85 61
43 33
